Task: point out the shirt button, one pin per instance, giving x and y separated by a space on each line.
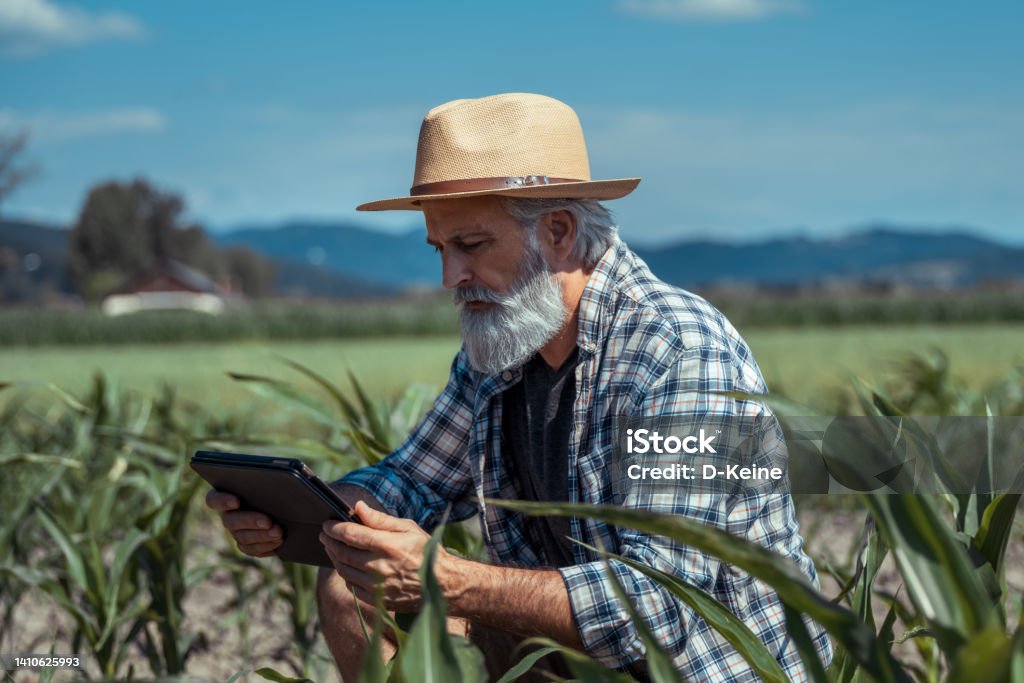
507 375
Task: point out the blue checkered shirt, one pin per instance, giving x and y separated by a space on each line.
646 349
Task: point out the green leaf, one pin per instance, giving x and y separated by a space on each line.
278 677
373 669
804 645
783 575
525 664
935 567
869 560
67 398
430 654
346 407
112 602
995 528
985 658
585 667
286 395
376 425
659 663
39 459
718 616
72 555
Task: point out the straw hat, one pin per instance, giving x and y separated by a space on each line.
515 144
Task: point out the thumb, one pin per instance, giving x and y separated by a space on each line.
378 520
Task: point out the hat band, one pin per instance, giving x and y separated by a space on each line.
477 184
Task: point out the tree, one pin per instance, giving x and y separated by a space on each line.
13 173
121 232
249 271
126 228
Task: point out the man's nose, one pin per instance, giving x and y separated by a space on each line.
455 271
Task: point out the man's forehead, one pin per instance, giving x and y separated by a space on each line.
450 218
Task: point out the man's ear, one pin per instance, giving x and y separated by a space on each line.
559 233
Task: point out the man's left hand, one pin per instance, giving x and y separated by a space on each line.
383 550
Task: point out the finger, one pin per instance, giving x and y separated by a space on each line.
272 535
342 553
359 536
218 500
357 578
379 520
237 520
259 549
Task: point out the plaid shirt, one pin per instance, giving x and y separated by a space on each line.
646 349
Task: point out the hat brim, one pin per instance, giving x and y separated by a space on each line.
588 189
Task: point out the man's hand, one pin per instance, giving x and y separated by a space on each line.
384 550
254 532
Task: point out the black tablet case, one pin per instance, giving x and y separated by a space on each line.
282 488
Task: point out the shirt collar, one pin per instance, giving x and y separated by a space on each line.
600 295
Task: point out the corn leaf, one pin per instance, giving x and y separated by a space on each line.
936 570
430 654
717 615
586 668
659 663
278 677
995 528
985 658
72 555
525 664
285 395
800 636
792 586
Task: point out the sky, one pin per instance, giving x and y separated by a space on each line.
746 119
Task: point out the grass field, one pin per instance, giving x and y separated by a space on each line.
804 363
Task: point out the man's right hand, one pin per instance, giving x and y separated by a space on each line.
254 532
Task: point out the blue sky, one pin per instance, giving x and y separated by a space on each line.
746 118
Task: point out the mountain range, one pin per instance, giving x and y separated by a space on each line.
344 260
876 254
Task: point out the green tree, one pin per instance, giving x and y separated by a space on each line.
122 231
249 271
126 228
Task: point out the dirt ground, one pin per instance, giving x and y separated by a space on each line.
831 536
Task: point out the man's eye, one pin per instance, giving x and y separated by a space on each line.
471 247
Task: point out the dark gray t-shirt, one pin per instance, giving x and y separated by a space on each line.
536 426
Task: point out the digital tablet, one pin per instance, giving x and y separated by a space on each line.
286 490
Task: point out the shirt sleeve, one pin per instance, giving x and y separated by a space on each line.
686 389
430 469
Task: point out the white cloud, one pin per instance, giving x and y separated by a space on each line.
711 10
29 28
48 127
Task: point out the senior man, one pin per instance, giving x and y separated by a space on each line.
564 330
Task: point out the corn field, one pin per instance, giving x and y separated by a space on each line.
107 551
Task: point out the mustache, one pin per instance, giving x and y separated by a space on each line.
463 295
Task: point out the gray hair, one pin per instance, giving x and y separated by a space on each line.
595 229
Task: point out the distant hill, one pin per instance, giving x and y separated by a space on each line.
25 278
341 260
404 260
878 254
32 261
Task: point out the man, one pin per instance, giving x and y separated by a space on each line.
564 330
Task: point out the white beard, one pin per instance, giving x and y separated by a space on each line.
519 324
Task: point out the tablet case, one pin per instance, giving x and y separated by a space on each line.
285 490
